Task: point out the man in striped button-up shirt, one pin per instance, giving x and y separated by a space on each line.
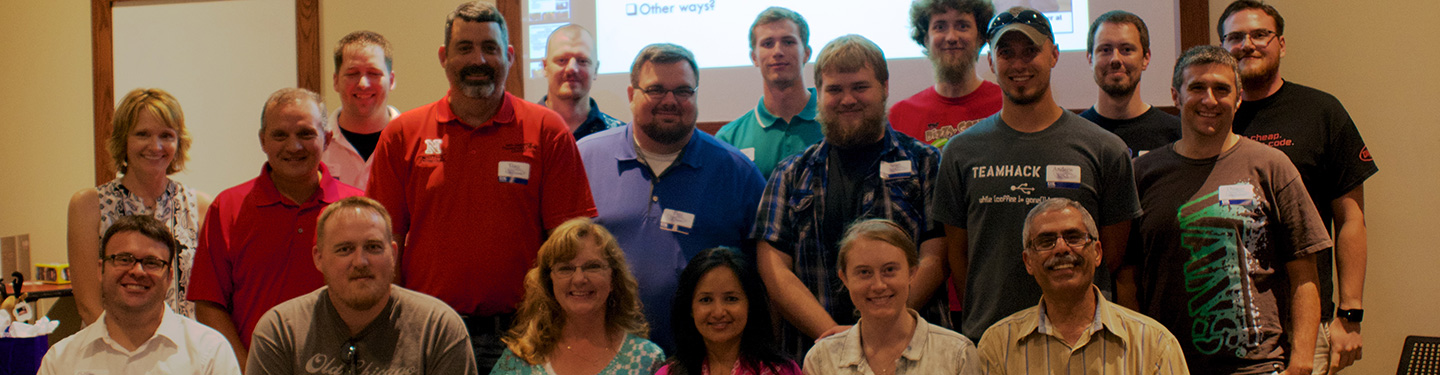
1074 330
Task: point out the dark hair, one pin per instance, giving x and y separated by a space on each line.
776 14
145 225
362 39
1121 17
922 10
476 11
662 53
1240 5
1203 55
757 342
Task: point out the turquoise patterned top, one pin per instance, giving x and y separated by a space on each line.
637 356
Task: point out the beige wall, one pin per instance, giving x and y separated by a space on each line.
1381 70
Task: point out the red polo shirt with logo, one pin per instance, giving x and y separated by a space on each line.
255 248
474 202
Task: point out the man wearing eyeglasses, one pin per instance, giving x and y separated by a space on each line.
359 323
1119 52
476 180
666 190
1073 319
137 333
1226 247
1313 129
862 169
252 247
1032 150
783 122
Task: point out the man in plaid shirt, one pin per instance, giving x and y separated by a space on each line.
862 169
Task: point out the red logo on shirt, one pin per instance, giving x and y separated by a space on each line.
1365 154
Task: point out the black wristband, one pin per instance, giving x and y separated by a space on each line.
1352 315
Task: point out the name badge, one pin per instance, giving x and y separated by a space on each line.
1241 194
749 153
677 221
515 172
1062 176
897 169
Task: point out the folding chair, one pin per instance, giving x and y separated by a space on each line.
1421 356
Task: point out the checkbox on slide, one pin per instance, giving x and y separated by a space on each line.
631 9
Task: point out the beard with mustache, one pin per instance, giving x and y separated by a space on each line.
666 133
477 90
955 71
871 128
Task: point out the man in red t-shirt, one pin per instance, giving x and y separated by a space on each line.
475 180
952 33
255 245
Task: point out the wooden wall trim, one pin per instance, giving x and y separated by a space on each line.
513 10
103 77
1194 23
307 45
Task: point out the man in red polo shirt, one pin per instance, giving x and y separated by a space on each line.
254 250
475 180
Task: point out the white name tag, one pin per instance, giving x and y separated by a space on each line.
677 221
749 153
1062 176
1242 194
515 172
897 169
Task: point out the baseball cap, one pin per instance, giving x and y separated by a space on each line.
1025 20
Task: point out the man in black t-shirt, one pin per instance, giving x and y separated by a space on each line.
1314 130
1119 51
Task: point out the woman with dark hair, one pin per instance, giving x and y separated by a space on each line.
581 312
734 331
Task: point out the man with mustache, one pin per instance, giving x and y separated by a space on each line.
862 169
363 78
1074 320
1032 150
1315 131
666 190
1119 51
570 69
251 253
477 158
359 322
137 333
1226 248
783 123
951 33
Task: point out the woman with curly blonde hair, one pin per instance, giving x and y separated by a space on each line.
581 313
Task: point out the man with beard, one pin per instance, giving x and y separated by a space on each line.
666 190
1073 319
137 333
1119 51
570 69
251 253
1226 248
477 158
1031 151
783 123
862 169
951 33
359 322
1315 131
363 78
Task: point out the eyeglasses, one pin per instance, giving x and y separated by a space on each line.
657 93
149 264
1027 17
566 271
352 358
1076 240
1261 37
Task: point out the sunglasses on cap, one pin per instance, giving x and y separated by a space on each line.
1026 17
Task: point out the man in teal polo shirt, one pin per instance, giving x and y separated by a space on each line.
783 123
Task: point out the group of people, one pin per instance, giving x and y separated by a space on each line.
485 234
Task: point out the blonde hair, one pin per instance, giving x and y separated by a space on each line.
539 320
882 230
127 114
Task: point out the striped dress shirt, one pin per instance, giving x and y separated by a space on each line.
1119 341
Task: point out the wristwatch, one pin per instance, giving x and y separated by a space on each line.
1352 315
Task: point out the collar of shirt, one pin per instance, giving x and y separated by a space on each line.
766 119
1105 319
505 116
595 122
854 354
170 332
688 156
266 194
337 139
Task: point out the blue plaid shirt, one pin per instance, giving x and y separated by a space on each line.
791 216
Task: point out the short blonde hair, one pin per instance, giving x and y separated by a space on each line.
127 114
849 54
